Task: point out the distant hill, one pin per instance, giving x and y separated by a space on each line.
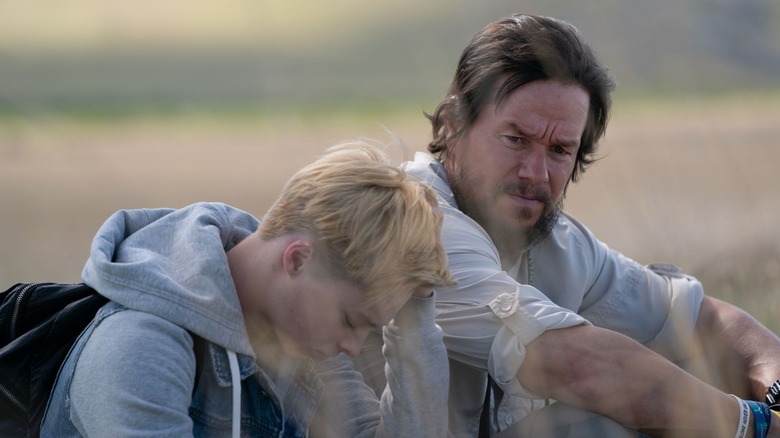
404 54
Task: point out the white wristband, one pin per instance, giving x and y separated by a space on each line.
744 418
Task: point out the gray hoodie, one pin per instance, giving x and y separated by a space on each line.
166 273
173 264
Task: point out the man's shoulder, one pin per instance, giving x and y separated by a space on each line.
568 228
428 169
570 244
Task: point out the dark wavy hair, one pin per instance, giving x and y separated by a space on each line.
517 50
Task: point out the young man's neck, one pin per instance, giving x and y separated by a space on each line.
249 264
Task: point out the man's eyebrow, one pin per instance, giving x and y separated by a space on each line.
569 143
510 124
573 143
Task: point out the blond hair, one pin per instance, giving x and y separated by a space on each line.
375 226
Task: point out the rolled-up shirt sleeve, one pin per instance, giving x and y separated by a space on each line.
488 317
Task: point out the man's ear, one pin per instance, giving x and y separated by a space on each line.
297 254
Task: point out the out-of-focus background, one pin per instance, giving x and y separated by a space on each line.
108 104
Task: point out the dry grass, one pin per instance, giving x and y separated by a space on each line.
688 182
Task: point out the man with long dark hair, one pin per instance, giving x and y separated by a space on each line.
544 310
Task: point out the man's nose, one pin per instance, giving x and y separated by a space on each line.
533 165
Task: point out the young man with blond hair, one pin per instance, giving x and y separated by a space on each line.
220 323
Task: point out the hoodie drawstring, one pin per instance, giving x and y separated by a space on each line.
235 375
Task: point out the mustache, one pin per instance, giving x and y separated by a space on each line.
540 193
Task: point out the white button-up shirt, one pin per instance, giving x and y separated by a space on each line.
570 278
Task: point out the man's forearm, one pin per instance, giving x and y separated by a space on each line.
736 351
608 373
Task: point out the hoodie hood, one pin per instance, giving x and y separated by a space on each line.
173 264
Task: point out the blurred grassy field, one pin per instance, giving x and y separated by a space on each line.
692 181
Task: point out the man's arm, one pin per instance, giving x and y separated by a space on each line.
610 374
414 401
735 351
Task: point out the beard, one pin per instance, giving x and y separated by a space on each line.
544 226
528 237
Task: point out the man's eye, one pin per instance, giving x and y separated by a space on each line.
560 150
348 322
515 141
